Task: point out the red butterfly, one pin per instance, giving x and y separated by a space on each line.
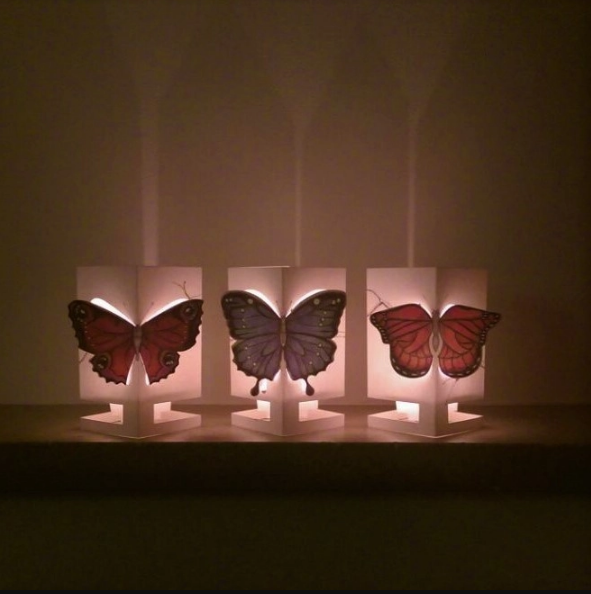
457 338
115 342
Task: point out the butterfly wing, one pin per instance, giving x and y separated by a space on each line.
256 330
165 335
407 330
309 330
105 335
463 331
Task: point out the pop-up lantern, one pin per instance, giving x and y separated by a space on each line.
423 353
288 362
167 366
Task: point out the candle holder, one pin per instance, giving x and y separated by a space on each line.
166 368
267 346
425 356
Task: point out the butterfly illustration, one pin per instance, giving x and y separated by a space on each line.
302 338
115 342
456 337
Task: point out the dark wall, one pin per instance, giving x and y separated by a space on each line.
231 114
351 134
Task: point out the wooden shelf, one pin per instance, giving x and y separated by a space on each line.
518 449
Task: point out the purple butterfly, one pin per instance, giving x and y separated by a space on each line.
302 337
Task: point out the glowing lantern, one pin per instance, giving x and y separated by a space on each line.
426 345
286 328
138 331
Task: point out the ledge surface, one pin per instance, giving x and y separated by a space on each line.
542 449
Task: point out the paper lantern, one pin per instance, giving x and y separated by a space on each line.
289 364
424 354
169 367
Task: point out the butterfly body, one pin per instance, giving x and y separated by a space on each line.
264 339
114 342
456 338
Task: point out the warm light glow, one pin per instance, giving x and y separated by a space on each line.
303 297
410 408
160 409
167 306
264 406
452 408
106 305
130 374
445 308
265 299
264 383
274 307
307 407
117 410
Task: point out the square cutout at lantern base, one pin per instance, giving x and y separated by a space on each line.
425 420
283 407
287 418
136 409
140 419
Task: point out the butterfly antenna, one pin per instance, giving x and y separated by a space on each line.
183 287
380 302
